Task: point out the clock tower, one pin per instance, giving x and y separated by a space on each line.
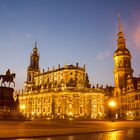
122 63
33 68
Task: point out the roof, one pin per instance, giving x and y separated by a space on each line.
122 51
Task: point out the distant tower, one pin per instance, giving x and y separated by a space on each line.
122 63
33 68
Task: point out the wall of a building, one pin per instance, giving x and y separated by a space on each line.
63 104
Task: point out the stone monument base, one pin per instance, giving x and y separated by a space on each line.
9 108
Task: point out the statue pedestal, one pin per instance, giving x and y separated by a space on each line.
9 108
6 97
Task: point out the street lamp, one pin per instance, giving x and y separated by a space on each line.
22 108
112 105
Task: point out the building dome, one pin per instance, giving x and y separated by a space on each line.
122 51
35 49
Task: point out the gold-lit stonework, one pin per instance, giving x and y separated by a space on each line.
122 63
66 92
127 87
59 93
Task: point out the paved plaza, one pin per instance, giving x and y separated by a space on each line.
44 128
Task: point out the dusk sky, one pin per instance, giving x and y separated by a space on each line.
67 31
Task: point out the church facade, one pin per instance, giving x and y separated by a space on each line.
60 93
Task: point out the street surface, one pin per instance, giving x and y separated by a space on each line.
70 130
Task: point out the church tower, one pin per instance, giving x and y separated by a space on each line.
33 68
122 63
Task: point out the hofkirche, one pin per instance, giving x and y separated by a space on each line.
59 93
66 92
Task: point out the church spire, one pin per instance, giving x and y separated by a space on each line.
34 59
33 68
122 62
35 44
120 25
121 39
35 48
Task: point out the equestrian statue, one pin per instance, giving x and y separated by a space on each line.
8 77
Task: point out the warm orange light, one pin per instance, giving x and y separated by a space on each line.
112 104
70 113
22 107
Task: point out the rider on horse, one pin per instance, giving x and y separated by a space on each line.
8 77
8 72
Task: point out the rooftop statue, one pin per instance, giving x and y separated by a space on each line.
8 77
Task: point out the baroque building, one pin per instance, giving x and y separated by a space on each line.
122 63
127 87
59 93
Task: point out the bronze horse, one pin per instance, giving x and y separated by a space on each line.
9 78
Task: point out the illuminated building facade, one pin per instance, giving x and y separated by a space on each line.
127 87
59 93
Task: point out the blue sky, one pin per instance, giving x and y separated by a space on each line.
67 31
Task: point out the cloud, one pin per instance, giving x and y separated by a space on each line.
136 37
27 35
103 55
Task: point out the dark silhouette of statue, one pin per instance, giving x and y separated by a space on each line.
8 77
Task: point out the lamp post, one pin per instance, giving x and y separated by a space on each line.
112 105
22 108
